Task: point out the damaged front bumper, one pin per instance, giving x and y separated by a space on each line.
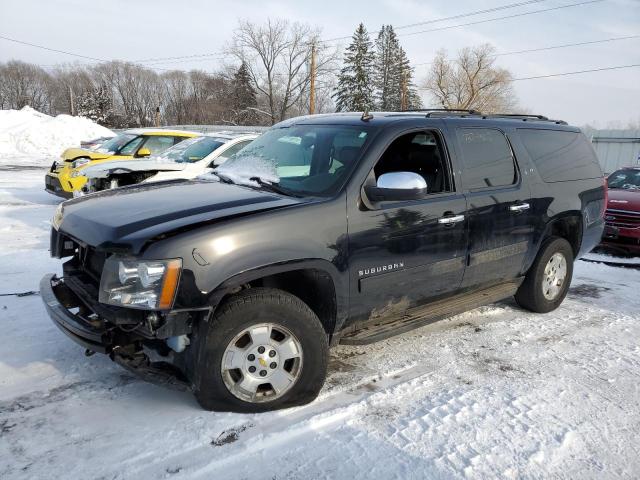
59 300
75 318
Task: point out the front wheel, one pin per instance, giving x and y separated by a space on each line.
547 281
263 350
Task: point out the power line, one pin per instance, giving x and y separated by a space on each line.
444 19
577 72
52 49
438 20
477 12
563 74
477 22
552 47
187 57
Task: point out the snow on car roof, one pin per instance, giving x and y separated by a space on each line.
159 131
228 136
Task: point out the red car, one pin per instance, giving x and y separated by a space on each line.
622 217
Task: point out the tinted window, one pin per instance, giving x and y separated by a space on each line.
417 152
560 156
487 158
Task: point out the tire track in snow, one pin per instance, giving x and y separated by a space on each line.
281 428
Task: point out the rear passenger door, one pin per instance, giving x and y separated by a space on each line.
498 206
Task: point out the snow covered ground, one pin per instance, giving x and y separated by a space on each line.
496 392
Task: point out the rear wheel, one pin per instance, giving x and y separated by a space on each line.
547 281
263 350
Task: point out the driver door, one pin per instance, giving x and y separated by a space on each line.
406 253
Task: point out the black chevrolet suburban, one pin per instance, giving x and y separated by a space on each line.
341 228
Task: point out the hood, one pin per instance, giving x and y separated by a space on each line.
624 199
103 170
73 153
124 219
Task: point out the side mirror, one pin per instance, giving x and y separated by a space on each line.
216 162
397 186
143 152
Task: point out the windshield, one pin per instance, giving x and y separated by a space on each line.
191 150
625 179
304 159
116 143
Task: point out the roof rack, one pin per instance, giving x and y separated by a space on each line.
524 117
463 112
441 111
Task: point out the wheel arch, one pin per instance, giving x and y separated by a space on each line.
317 283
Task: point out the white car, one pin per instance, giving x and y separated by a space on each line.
188 159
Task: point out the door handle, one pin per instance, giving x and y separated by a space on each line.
450 220
519 207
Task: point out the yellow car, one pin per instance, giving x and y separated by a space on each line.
66 176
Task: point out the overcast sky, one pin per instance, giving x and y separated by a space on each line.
142 29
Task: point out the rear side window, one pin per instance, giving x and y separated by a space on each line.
487 158
560 156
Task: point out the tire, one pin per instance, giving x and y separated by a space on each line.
532 294
228 339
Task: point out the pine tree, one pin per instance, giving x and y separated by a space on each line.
392 80
355 90
243 98
409 98
96 104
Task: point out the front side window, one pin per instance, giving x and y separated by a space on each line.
487 158
417 152
131 147
231 151
302 159
116 143
191 150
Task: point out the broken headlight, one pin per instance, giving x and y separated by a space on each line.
57 216
81 162
143 284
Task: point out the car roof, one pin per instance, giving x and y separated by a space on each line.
160 131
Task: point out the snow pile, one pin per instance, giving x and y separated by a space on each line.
29 133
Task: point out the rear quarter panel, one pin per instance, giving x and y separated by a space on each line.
551 201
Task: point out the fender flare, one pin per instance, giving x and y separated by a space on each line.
339 280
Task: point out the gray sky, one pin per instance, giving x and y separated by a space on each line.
142 29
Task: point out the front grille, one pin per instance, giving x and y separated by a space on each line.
622 218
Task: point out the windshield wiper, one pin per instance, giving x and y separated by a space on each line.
273 187
223 178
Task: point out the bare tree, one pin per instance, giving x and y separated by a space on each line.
24 84
471 81
277 55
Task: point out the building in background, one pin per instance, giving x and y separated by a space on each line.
616 148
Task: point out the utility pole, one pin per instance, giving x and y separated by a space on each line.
312 87
157 116
72 105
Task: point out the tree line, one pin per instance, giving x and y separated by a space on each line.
266 79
